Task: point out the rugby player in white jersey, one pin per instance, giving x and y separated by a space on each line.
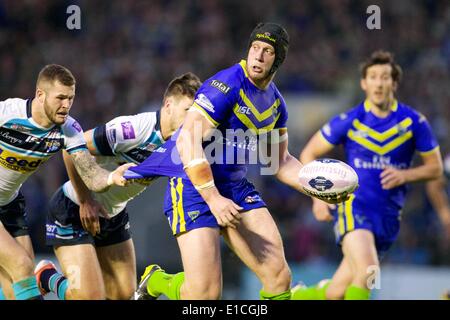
31 131
96 253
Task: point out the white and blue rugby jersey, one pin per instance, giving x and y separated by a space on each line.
25 145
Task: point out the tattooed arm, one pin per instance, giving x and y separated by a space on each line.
96 178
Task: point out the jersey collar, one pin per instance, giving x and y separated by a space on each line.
368 106
29 115
243 65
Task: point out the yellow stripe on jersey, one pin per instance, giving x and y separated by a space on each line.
341 219
382 136
381 150
173 193
250 125
180 205
350 222
259 116
427 153
203 112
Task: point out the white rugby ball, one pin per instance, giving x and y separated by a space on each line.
328 177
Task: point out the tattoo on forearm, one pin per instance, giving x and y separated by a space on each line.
92 174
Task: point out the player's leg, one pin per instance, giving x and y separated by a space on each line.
330 289
81 276
116 255
359 248
81 271
202 276
198 238
342 278
200 253
5 280
258 244
18 264
6 290
16 253
118 265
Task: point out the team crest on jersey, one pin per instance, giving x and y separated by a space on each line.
401 130
52 145
220 86
128 130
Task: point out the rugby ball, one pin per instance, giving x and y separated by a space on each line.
328 177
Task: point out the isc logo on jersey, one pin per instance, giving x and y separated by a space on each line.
19 163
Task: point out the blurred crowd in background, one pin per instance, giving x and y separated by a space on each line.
127 51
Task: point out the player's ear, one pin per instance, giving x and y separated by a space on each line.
40 95
363 84
394 86
168 101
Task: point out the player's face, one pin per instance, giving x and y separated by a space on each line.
378 84
179 106
58 100
260 60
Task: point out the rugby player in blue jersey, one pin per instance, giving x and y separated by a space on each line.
32 131
380 137
217 199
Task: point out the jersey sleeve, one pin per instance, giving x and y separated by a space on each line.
123 133
335 131
73 136
425 139
216 97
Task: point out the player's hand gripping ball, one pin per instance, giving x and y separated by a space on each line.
329 180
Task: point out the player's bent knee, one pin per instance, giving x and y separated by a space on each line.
276 277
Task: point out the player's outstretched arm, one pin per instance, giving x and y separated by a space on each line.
189 145
96 178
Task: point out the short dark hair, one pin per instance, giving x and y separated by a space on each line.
53 72
187 85
382 57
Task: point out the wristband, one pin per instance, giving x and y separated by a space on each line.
195 162
204 186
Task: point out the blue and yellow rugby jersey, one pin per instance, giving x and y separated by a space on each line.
230 101
372 143
25 146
